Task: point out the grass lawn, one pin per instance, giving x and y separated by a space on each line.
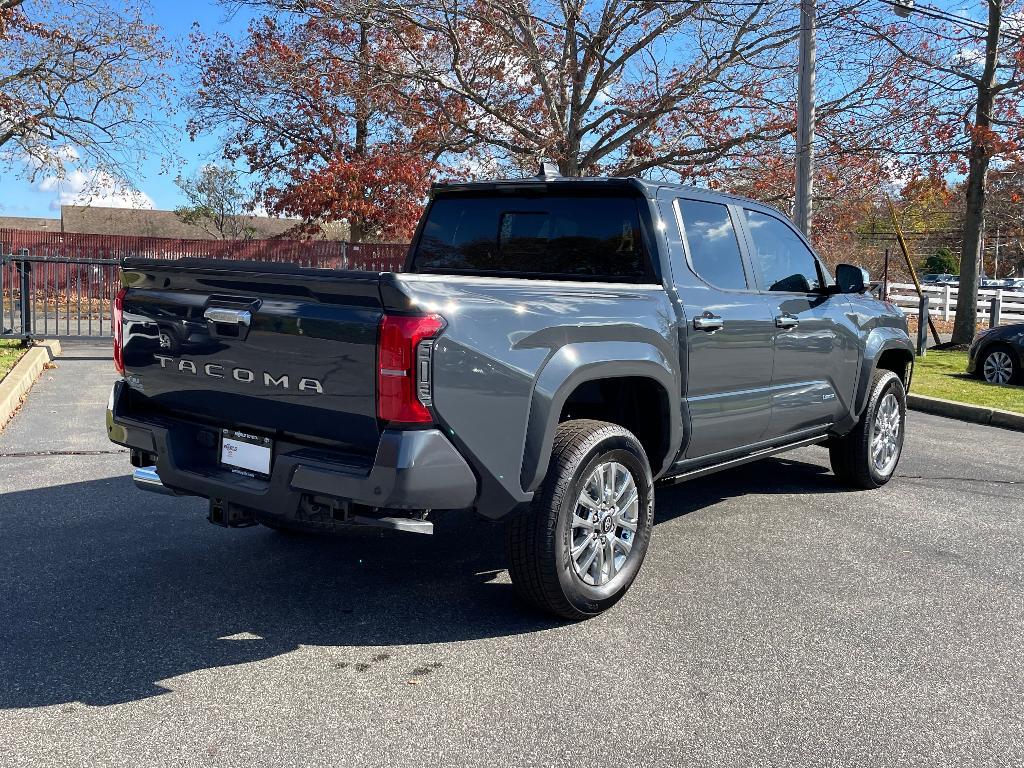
942 374
10 352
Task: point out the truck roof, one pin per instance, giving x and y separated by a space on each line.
647 188
550 179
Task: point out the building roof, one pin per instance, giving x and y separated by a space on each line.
31 223
144 222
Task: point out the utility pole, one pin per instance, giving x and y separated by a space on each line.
805 120
995 270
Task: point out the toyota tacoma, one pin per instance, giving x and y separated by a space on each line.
553 348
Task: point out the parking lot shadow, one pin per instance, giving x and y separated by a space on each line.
106 591
768 476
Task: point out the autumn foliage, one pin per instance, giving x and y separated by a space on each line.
330 141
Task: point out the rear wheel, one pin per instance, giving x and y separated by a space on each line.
999 366
867 457
579 546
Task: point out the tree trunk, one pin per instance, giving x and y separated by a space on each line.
569 166
974 218
355 230
974 226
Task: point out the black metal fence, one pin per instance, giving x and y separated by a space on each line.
64 284
53 296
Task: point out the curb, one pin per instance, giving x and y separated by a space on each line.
19 381
976 414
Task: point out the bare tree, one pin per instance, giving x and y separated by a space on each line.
80 81
1004 220
217 203
699 91
616 87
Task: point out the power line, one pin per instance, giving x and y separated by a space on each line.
935 13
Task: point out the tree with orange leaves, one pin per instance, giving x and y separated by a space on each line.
329 141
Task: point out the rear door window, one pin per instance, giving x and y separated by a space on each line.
711 242
567 236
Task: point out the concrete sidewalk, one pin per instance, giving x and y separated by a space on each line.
65 410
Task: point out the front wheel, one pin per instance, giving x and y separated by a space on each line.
579 546
867 457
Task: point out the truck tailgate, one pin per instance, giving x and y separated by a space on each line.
272 349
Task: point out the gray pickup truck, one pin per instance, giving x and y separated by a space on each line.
554 347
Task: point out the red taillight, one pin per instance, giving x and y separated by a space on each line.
403 386
117 324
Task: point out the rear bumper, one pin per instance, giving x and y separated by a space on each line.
416 470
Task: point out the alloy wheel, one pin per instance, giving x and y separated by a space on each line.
998 368
604 523
885 435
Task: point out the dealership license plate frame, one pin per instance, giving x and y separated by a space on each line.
246 454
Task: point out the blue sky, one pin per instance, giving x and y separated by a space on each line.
19 197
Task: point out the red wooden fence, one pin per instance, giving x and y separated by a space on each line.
72 278
328 254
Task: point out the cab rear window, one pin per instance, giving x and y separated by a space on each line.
568 237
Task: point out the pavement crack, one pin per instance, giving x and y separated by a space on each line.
986 480
30 454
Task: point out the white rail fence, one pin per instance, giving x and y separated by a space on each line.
942 302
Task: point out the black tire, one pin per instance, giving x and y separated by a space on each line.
1010 354
850 455
540 537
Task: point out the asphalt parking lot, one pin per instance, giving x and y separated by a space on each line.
779 620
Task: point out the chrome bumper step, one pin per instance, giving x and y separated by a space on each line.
146 479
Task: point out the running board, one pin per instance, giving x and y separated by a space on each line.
407 524
764 453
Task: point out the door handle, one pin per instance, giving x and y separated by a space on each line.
787 320
708 322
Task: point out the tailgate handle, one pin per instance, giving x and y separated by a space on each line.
232 316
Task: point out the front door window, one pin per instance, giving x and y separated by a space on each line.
786 264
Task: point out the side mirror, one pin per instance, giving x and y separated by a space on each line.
851 279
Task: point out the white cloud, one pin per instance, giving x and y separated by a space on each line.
1013 23
969 57
92 187
258 209
604 96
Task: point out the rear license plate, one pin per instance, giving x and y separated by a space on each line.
247 452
